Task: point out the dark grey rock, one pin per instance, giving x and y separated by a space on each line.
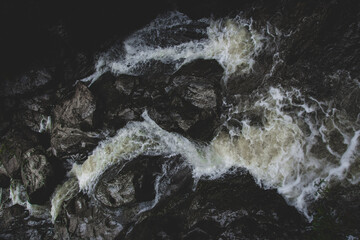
78 110
229 207
37 175
13 145
82 219
114 99
67 141
117 192
191 100
74 117
4 178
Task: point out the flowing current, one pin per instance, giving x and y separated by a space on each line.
298 143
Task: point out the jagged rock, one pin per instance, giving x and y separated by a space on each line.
67 141
123 191
133 183
114 99
118 191
37 175
194 96
13 144
31 111
78 110
231 206
16 223
13 162
84 220
4 178
73 118
26 83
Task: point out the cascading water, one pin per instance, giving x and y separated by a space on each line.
290 149
232 42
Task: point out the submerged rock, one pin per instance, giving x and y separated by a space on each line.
85 220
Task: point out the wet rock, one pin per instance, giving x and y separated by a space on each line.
82 219
118 191
336 213
4 178
121 193
13 144
114 99
129 183
78 110
37 175
67 141
17 224
197 93
74 117
13 162
33 110
191 101
26 83
201 68
225 208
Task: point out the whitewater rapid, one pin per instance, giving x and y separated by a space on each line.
232 42
297 146
282 152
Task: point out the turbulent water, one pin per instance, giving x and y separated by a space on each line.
232 42
296 145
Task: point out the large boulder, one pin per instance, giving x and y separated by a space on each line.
37 175
74 117
189 101
194 98
114 99
13 145
17 223
121 194
230 207
67 141
77 110
129 183
83 219
118 191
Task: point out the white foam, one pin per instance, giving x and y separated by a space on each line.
232 42
45 124
282 153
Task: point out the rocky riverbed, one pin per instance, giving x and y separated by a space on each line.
201 121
